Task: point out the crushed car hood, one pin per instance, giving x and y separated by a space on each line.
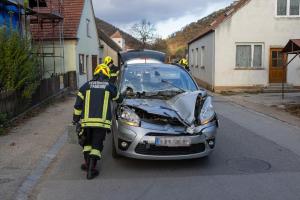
181 106
153 106
185 104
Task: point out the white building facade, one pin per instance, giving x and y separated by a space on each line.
242 49
87 46
119 40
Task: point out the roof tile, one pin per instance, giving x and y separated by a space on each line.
71 11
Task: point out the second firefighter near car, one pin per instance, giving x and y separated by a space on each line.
114 70
92 115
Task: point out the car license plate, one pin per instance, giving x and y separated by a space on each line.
173 141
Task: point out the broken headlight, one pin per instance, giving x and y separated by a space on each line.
129 117
207 112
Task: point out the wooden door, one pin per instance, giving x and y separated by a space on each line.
277 70
94 62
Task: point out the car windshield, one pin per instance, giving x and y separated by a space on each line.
153 79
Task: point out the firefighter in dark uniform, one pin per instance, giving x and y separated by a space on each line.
92 108
114 70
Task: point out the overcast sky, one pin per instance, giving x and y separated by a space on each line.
167 15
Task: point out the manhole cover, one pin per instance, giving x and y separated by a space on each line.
5 180
250 165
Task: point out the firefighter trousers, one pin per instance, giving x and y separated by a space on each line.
94 141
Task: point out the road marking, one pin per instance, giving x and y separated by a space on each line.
32 180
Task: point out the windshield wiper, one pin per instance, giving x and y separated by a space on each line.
168 92
156 94
151 94
175 86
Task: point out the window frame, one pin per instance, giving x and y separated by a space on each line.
87 61
202 56
88 33
252 44
197 57
288 11
82 68
192 59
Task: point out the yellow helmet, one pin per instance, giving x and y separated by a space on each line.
102 68
183 62
108 60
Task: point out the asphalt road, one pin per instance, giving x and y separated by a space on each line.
257 158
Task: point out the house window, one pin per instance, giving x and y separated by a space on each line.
249 55
294 7
202 56
193 59
197 57
88 27
281 7
87 61
288 7
277 59
257 56
82 69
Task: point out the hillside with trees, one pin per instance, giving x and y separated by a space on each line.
177 42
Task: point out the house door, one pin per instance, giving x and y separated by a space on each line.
94 62
277 70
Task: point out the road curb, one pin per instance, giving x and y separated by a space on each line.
33 178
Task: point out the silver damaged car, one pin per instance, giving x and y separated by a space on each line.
164 115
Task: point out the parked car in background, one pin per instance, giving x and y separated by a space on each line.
164 115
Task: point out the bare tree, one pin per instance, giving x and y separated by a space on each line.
144 31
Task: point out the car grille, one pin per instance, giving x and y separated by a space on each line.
147 149
167 134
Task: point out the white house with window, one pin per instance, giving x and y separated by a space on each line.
87 45
241 47
81 49
118 39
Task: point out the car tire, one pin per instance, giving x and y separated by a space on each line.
114 150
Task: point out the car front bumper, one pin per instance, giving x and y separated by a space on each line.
141 141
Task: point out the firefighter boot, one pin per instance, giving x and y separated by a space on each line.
92 171
85 165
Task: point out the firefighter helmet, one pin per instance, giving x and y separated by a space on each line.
108 60
102 68
183 62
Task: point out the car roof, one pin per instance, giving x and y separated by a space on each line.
142 53
151 65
